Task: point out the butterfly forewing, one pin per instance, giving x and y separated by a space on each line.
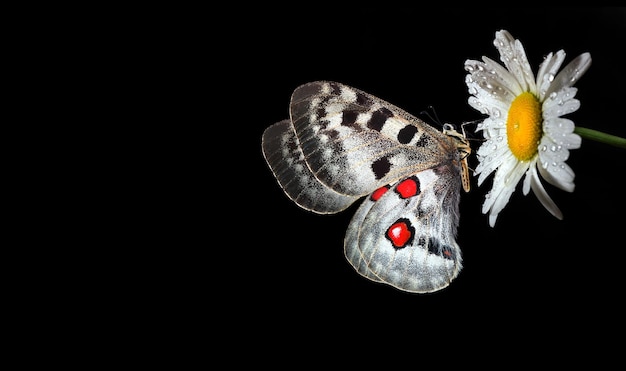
283 153
354 142
341 144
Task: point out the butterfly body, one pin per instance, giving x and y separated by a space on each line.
341 144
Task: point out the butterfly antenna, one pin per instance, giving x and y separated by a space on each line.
431 113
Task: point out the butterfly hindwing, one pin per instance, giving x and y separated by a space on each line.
341 144
404 234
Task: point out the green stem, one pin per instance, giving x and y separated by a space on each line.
601 137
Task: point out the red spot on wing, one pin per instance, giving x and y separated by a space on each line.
400 233
379 193
408 188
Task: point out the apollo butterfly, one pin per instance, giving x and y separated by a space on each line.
341 144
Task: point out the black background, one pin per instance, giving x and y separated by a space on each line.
530 265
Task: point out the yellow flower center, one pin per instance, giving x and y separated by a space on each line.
523 126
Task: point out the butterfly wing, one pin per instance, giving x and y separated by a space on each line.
283 153
341 144
404 234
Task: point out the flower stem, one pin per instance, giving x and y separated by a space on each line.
601 137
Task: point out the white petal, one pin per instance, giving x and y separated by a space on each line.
542 195
492 219
551 152
561 175
500 200
547 72
492 160
503 77
504 183
526 185
491 86
492 127
571 73
514 57
488 105
560 103
557 127
560 132
572 141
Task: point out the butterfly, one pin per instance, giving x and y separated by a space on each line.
341 144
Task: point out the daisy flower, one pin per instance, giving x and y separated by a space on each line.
525 135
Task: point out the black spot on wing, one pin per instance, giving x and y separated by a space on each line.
444 251
336 88
381 167
406 134
363 100
320 112
378 119
349 118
